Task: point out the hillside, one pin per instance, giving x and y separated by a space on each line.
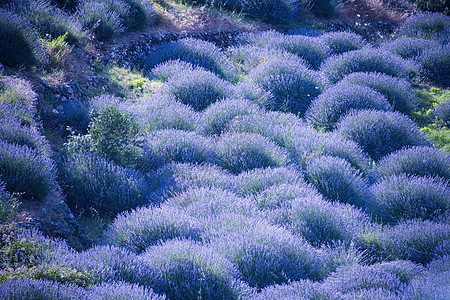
222 149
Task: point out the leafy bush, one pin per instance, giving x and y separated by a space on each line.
40 289
217 116
163 112
257 180
165 70
144 227
420 161
51 21
121 291
26 171
379 133
397 91
303 148
13 132
265 254
98 17
209 202
91 181
115 134
326 110
367 60
419 241
342 41
169 145
337 180
270 11
20 42
197 88
435 65
8 204
240 152
429 26
196 52
409 47
401 197
292 85
186 270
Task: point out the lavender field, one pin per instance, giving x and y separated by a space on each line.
308 164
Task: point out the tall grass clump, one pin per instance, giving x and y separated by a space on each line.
163 112
419 241
197 52
20 42
402 197
99 18
171 145
144 227
240 152
183 269
40 289
197 88
121 291
379 133
321 222
326 110
217 116
51 21
91 181
26 171
409 47
342 41
291 83
397 91
266 254
254 181
435 65
209 202
366 60
429 26
337 180
419 161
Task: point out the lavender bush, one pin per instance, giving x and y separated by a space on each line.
379 133
91 181
196 52
409 47
121 291
8 204
169 145
75 116
253 92
244 151
26 171
210 202
367 60
197 88
218 115
420 161
337 180
326 110
429 26
98 17
397 91
165 70
292 85
401 197
186 270
442 112
20 42
435 65
342 41
144 227
302 289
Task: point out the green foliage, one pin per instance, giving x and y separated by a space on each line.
64 275
59 50
115 134
442 6
8 205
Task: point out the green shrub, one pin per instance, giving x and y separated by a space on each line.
442 6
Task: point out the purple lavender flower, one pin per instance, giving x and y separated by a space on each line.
342 41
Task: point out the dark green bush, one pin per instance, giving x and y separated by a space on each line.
442 6
322 8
